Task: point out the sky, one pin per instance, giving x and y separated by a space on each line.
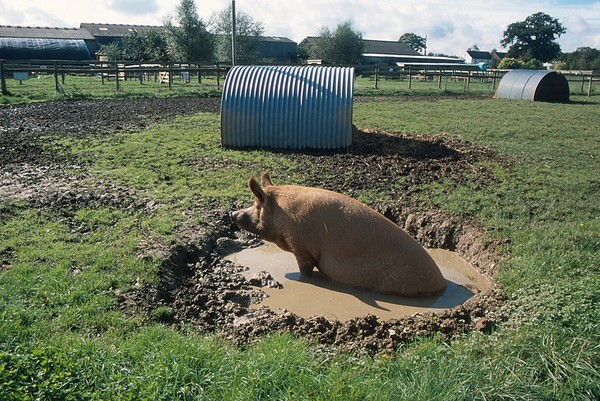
450 26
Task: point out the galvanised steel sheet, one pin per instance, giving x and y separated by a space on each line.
539 85
287 107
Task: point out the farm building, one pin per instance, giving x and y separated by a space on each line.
480 56
385 51
47 43
278 49
24 42
110 33
376 51
391 53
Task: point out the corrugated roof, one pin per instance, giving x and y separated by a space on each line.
377 47
277 39
116 30
43 48
484 55
12 31
388 47
287 107
537 85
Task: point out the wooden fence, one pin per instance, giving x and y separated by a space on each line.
170 74
164 73
467 74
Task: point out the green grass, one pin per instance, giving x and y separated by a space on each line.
43 87
62 335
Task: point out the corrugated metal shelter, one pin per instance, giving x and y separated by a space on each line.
537 85
287 107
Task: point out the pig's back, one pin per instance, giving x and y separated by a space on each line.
357 246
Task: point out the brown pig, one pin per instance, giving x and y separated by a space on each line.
347 241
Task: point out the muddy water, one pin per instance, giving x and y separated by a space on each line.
315 296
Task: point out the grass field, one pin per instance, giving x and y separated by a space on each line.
62 336
43 87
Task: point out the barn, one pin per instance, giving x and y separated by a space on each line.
44 43
277 48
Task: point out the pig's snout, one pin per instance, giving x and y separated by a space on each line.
245 220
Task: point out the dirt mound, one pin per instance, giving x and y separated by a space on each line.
197 286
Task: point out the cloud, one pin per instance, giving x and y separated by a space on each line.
449 27
135 7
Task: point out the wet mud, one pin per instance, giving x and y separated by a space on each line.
198 287
287 290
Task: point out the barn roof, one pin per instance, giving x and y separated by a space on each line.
381 47
388 47
43 49
485 55
116 30
276 39
12 31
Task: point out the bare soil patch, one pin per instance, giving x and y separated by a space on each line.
197 286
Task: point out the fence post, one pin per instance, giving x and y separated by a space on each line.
590 85
377 78
56 84
409 79
199 75
117 76
218 77
170 75
3 78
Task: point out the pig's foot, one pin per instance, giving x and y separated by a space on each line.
306 266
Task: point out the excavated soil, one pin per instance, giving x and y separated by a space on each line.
197 287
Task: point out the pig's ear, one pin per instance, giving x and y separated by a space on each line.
266 179
258 192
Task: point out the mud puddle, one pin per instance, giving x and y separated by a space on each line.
316 296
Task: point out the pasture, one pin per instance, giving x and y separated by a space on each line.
95 219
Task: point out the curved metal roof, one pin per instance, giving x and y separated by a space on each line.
43 49
538 85
287 107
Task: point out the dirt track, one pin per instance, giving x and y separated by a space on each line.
196 285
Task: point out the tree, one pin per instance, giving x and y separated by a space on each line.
342 47
112 51
584 58
151 46
248 33
534 38
188 39
414 41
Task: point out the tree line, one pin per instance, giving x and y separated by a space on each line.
187 38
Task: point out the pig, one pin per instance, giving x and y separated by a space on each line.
348 242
